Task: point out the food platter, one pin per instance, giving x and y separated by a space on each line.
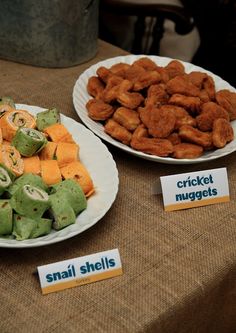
81 97
102 168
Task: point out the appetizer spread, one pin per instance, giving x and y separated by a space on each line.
43 183
162 110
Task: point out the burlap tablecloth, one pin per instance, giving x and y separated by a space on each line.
179 267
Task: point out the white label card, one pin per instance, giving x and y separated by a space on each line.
195 189
78 271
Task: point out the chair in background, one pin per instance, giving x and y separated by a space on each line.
150 16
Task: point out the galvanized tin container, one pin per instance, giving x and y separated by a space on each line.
49 33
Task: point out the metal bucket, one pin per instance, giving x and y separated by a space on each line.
49 33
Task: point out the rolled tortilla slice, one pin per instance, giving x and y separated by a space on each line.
30 201
70 189
29 141
5 180
11 159
32 165
78 172
1 138
50 172
14 119
6 216
23 226
5 108
62 212
48 152
27 179
66 153
47 118
43 227
59 133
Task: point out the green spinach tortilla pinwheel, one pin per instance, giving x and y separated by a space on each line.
6 215
47 118
27 179
29 141
5 180
6 100
30 201
61 211
26 227
71 189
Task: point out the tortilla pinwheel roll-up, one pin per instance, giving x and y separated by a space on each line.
5 217
29 141
61 210
30 201
58 133
27 179
14 119
11 159
26 227
47 118
5 180
6 100
73 192
50 172
32 164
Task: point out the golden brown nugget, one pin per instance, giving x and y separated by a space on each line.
162 122
133 72
156 95
146 63
204 97
146 79
104 73
99 110
194 135
120 69
117 131
209 87
187 150
127 118
192 104
95 86
227 99
128 99
197 78
111 90
174 138
163 73
140 132
175 68
209 112
182 85
222 132
153 146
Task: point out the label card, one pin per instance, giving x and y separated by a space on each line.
195 189
78 271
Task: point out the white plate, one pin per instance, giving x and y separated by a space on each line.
81 96
102 168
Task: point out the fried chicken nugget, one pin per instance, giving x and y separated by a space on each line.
104 73
209 87
187 150
182 116
182 85
127 118
133 72
119 69
209 112
99 110
144 80
95 86
117 131
145 63
111 90
227 99
192 104
130 100
194 135
159 121
175 68
153 146
197 78
156 95
222 132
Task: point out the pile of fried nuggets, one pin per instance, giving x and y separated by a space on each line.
162 111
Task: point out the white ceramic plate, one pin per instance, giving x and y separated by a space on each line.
102 168
81 96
